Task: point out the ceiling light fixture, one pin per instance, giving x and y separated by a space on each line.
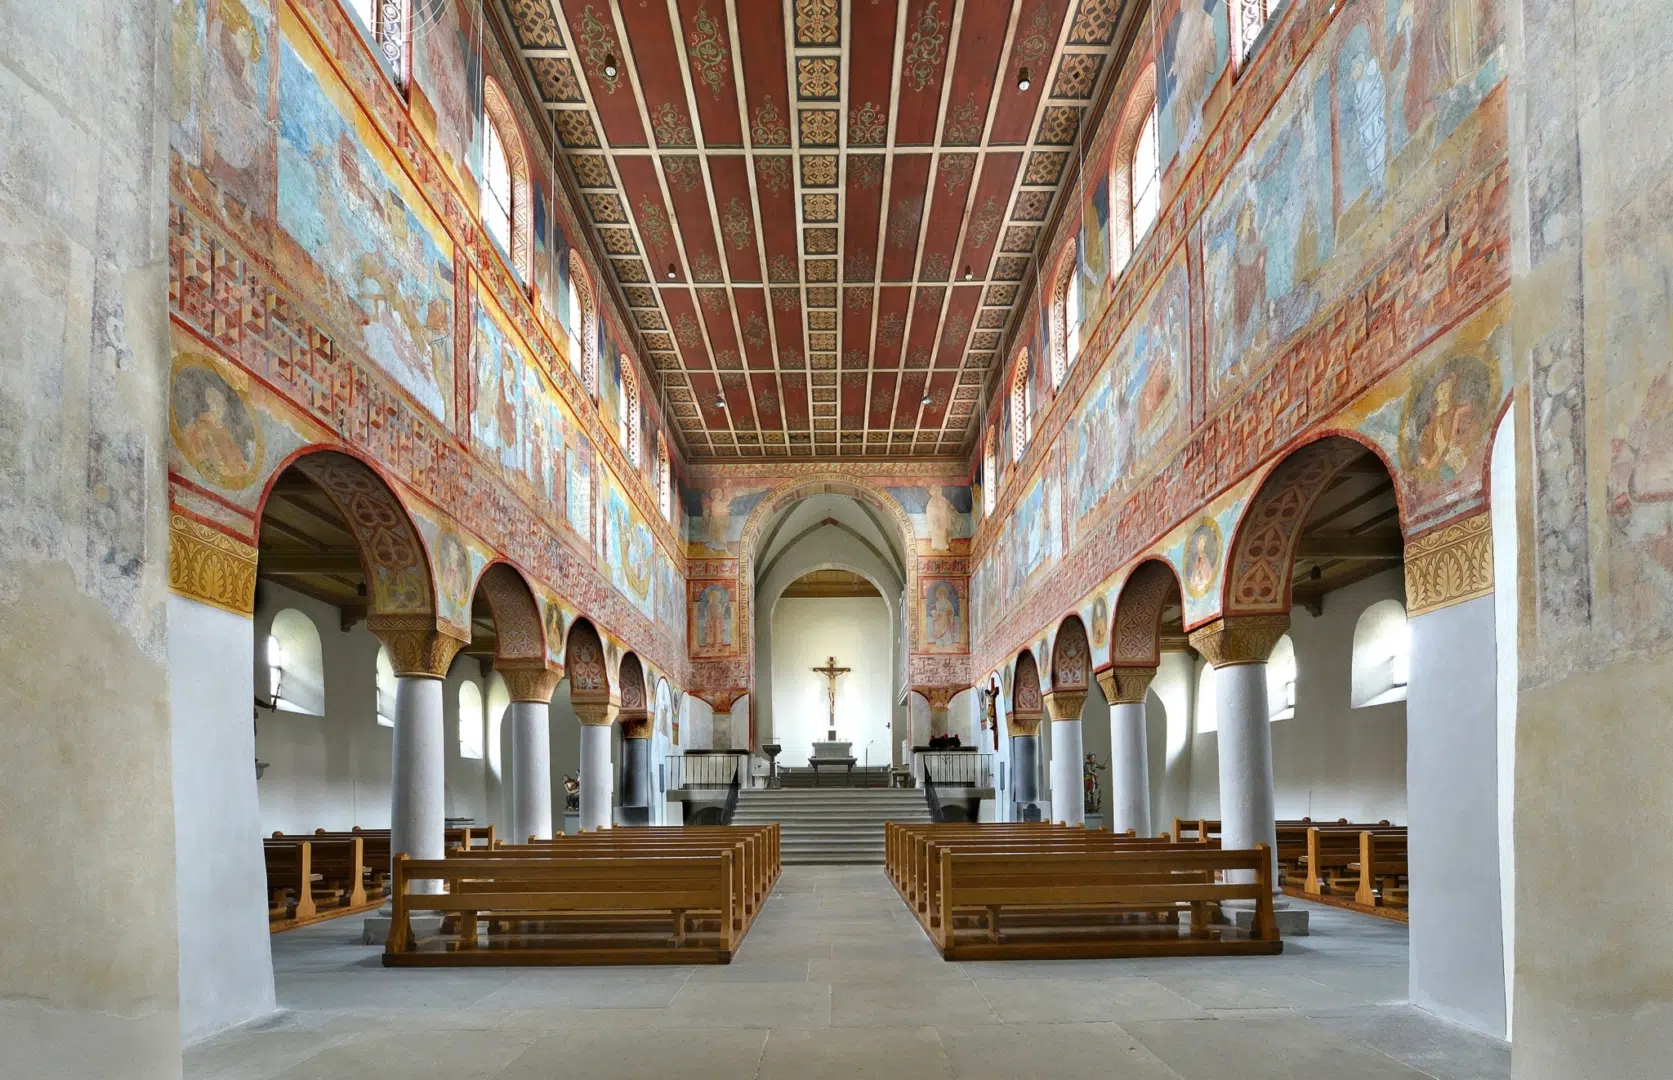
926 400
967 274
720 402
609 65
672 272
1022 78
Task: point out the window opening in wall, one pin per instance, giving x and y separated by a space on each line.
1071 321
496 187
630 415
1207 703
275 670
1382 654
472 721
990 473
1252 16
1280 680
295 668
664 480
574 327
386 690
1022 423
1147 180
366 11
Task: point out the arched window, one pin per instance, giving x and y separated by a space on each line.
583 326
1065 321
628 413
504 196
664 479
471 721
295 669
1249 20
1022 418
386 689
990 473
1135 179
1382 654
1208 713
366 11
1280 680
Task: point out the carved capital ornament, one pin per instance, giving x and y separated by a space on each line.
418 648
1126 685
529 683
1239 639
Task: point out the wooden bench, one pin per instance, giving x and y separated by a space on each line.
1381 869
1058 905
1332 859
310 878
1186 830
622 909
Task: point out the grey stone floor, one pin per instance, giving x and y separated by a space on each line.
837 980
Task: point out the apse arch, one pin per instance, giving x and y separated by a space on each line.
783 498
1261 556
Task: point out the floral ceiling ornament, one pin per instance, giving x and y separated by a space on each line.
707 49
926 48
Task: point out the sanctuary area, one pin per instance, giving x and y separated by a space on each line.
826 538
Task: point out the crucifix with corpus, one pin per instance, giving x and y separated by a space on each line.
831 671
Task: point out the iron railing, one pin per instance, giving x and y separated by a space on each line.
955 768
712 771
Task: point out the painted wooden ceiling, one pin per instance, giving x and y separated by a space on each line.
822 214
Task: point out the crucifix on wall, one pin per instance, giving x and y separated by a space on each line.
831 671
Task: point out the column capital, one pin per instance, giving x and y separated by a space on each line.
418 647
1065 704
594 713
1024 723
636 723
940 698
1125 685
1239 639
529 682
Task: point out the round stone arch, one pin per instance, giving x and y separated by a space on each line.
584 667
1026 699
783 498
520 630
1136 625
1071 656
1261 557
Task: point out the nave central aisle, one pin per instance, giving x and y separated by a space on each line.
837 980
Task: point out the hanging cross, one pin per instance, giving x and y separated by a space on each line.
831 671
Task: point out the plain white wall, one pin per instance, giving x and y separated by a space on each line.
1329 760
1505 615
333 771
226 966
808 631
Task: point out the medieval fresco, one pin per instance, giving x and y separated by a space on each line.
629 549
711 606
1195 41
363 232
1135 401
940 515
213 422
447 87
945 629
517 418
222 72
716 516
1197 550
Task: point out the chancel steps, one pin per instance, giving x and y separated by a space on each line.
831 825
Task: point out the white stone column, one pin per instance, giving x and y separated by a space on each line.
421 656
1129 798
418 814
1237 647
530 717
595 765
1068 757
636 767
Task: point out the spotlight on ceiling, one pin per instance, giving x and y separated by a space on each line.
926 400
967 273
720 403
1022 78
671 272
610 65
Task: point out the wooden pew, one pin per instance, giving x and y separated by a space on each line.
1381 869
290 869
1332 853
672 909
327 875
1058 905
1199 829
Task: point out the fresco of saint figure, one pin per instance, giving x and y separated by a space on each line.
212 425
946 622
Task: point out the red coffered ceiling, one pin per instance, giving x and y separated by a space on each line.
820 211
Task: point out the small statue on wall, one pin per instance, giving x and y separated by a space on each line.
571 794
1094 789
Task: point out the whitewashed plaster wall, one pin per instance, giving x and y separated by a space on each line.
334 771
1329 760
806 632
696 723
89 977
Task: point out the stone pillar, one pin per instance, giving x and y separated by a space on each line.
1025 764
1068 757
420 655
1237 647
531 750
595 717
636 767
1125 690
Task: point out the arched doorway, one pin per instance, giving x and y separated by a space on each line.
1146 642
508 640
828 579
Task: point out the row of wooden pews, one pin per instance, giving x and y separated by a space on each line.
1043 891
1362 866
650 895
324 874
